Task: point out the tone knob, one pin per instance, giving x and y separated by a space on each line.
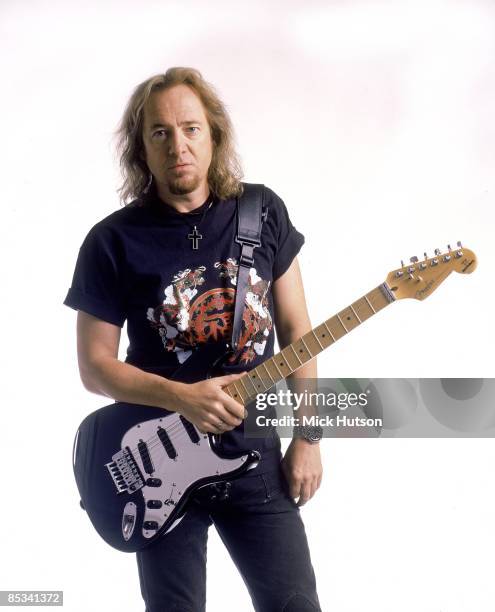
150 525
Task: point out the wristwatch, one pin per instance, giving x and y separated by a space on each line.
310 433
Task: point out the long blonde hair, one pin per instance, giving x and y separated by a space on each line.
224 174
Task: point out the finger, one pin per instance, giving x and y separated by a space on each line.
216 410
305 493
219 424
314 486
212 428
294 488
220 413
235 408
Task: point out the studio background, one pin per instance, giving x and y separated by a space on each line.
374 122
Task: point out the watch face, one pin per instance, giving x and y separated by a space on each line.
312 434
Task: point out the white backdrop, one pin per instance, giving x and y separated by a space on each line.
374 122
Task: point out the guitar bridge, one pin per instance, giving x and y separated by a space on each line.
125 472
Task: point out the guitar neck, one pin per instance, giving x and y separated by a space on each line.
288 360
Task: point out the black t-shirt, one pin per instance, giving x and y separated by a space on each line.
138 265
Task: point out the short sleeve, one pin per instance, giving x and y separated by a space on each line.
289 239
97 282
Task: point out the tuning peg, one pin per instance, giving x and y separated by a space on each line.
449 247
459 244
414 259
426 255
401 263
437 252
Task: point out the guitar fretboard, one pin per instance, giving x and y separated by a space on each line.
262 378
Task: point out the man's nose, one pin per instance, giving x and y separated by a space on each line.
176 143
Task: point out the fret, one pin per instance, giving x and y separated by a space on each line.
253 377
377 299
274 361
350 320
244 386
318 340
323 336
301 350
291 357
338 330
312 343
306 347
363 310
370 305
328 329
283 363
268 372
342 323
291 346
248 377
237 394
355 313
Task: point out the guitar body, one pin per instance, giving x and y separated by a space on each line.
137 466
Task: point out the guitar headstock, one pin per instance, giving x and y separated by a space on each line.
419 279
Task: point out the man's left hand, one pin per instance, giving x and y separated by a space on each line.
302 468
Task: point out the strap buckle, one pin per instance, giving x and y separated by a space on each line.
247 259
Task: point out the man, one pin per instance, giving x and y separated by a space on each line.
167 264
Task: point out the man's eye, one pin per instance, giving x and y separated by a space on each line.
193 129
158 134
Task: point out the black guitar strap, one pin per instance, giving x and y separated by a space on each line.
251 213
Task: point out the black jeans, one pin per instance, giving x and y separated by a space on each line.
261 528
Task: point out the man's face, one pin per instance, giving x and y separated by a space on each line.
177 141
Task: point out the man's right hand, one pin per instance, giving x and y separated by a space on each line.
208 406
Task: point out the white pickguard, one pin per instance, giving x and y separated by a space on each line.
193 462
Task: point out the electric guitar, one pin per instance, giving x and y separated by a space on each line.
136 466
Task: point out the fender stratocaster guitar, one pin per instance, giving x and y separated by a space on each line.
136 466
